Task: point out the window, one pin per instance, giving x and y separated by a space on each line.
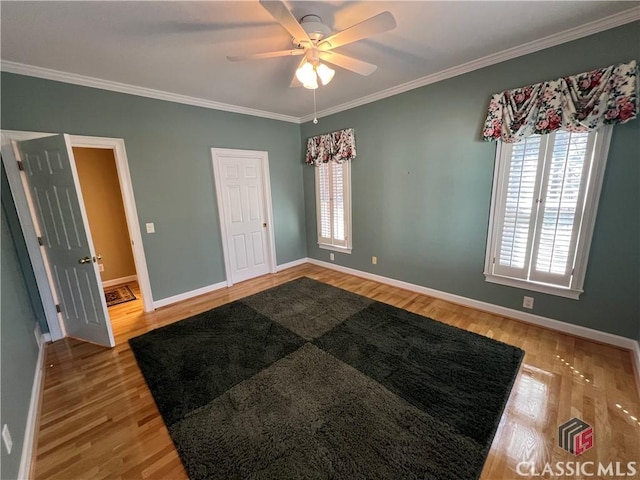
333 204
543 209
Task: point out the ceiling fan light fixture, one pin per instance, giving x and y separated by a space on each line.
306 74
311 85
325 73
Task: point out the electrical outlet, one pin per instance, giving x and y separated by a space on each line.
332 257
374 260
6 437
527 302
101 267
151 228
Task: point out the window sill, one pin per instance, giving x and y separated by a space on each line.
574 294
324 246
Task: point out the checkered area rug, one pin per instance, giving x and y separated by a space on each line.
306 380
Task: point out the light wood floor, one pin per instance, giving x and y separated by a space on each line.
98 419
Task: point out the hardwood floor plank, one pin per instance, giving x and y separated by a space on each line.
98 418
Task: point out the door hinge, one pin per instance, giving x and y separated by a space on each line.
58 309
40 242
20 165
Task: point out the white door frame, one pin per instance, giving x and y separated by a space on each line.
131 214
47 293
263 157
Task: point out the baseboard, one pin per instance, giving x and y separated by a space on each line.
216 286
576 330
38 334
119 281
295 263
163 302
636 357
30 433
41 338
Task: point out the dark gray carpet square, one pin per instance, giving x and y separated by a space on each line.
459 377
310 416
307 307
189 363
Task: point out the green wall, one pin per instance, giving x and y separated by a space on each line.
421 188
168 148
19 351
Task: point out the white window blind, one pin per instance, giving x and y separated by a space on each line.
520 187
338 214
324 200
333 205
543 210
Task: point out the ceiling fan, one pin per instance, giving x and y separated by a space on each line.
315 42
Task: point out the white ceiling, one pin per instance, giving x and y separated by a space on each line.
181 47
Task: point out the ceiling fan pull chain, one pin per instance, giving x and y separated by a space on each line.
315 116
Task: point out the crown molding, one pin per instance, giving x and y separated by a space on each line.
66 77
600 25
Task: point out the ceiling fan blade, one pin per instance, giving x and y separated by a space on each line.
380 23
258 56
349 63
284 17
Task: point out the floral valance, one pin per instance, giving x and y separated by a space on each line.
337 147
578 103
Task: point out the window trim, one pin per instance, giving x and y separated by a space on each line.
585 236
346 175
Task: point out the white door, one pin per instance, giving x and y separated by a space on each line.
243 201
68 249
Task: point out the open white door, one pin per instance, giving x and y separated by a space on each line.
68 248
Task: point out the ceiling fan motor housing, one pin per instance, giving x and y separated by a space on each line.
312 24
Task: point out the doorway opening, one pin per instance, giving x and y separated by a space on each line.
103 202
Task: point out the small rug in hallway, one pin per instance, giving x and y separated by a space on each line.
306 380
120 294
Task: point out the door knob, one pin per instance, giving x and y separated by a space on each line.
97 257
85 260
